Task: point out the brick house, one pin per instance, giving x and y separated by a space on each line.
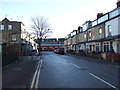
11 36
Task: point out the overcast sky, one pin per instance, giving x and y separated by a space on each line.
63 15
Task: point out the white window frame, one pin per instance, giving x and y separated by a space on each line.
85 36
90 34
109 30
100 32
2 27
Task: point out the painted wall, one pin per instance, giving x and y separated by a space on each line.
114 26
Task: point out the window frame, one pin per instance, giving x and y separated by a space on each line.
9 28
100 32
13 39
85 36
2 27
109 30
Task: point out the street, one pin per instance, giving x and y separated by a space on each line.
73 71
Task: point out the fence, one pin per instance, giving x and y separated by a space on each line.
9 54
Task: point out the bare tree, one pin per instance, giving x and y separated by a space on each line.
41 28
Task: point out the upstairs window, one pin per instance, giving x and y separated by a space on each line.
90 35
109 30
100 32
85 36
103 18
9 27
2 27
114 13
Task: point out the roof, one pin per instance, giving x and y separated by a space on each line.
7 20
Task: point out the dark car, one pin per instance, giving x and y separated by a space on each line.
61 51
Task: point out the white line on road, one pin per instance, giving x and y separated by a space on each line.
75 65
103 81
35 79
38 75
97 77
35 74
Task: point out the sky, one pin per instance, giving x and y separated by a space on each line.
63 15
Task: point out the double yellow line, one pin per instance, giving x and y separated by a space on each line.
35 80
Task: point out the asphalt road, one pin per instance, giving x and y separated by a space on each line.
73 71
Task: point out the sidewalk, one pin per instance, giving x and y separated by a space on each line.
19 74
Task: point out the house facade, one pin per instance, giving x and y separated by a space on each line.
13 35
98 37
10 32
112 30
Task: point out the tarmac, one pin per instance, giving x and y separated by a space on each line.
19 74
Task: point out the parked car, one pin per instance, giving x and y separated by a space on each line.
34 52
55 50
61 51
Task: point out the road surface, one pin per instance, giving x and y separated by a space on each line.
73 71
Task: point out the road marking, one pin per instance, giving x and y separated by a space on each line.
103 81
38 58
75 65
36 76
33 81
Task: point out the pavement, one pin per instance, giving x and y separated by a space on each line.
19 74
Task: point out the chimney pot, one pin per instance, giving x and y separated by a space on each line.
118 3
99 15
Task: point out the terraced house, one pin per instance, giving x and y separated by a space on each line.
98 38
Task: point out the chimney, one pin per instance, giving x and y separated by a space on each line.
99 15
118 3
79 27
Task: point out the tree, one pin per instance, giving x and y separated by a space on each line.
41 28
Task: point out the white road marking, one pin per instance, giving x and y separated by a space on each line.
38 75
38 58
97 78
103 81
35 79
75 65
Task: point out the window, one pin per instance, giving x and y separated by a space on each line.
103 18
114 13
109 30
100 32
85 36
94 23
87 25
1 27
9 27
106 47
13 37
90 35
74 33
98 47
